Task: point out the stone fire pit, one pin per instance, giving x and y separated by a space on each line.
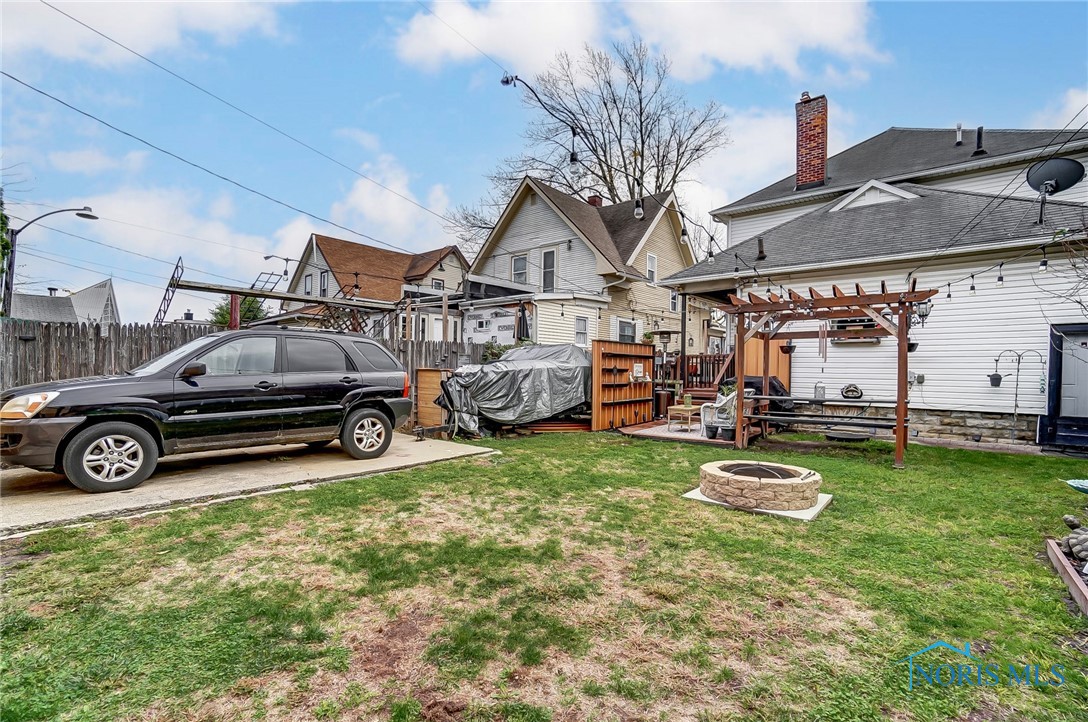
760 485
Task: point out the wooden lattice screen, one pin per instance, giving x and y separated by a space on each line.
623 387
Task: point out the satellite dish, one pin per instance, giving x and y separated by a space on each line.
1048 177
1054 175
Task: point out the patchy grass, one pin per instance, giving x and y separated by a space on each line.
563 580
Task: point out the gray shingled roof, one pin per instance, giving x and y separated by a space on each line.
50 309
899 151
916 225
90 303
612 230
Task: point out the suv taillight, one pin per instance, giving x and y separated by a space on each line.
405 386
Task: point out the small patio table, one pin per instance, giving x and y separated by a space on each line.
682 414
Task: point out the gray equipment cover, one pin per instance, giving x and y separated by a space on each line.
526 384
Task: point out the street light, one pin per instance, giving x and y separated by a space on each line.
13 235
282 258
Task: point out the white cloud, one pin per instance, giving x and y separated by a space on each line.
752 35
365 139
1069 109
147 27
525 36
699 37
377 212
91 161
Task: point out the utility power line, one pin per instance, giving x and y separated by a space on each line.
249 115
198 166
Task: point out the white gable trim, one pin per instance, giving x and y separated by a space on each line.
849 200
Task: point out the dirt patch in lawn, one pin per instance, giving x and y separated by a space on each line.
14 556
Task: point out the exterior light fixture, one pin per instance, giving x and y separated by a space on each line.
573 152
13 239
683 234
710 256
639 213
1001 274
1043 262
561 313
923 308
972 289
440 266
949 294
282 258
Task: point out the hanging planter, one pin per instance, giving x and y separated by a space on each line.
995 379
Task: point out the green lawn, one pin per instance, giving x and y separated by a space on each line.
563 580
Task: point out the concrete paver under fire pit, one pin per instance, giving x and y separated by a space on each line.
761 487
35 499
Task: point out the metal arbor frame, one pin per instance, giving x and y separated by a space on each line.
766 318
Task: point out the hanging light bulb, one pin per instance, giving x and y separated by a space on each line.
561 310
972 290
683 234
639 213
1001 274
573 159
710 256
949 294
1043 263
598 314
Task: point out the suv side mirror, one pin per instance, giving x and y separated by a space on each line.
193 369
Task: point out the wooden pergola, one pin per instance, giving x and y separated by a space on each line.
765 318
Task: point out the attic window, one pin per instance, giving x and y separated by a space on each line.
532 199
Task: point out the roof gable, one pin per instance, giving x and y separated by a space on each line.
872 193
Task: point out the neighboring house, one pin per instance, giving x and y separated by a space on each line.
588 270
920 203
335 268
94 304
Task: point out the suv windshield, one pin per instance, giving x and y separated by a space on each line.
158 364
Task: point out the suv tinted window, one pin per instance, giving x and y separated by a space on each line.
242 356
312 354
378 357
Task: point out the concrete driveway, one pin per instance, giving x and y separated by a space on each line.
33 499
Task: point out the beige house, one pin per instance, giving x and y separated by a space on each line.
591 270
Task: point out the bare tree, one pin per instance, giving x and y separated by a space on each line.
633 131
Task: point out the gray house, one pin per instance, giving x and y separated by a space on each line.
94 304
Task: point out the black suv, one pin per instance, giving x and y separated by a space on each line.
222 391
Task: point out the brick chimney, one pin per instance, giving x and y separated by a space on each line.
595 201
811 141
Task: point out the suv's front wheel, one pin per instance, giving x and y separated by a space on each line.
366 434
110 457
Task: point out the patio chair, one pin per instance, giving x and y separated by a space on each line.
722 414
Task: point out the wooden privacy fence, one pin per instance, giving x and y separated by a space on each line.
32 352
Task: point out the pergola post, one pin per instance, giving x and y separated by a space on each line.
901 388
738 363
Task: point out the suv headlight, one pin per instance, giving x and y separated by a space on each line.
25 407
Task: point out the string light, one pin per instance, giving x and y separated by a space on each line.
1043 262
972 291
1001 274
949 294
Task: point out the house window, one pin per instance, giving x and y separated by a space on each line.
438 284
581 331
519 269
483 324
674 301
651 268
547 272
308 284
324 289
627 331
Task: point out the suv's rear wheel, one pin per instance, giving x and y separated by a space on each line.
366 434
110 457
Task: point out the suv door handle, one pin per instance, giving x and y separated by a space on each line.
348 380
265 385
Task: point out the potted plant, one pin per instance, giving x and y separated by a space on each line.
648 338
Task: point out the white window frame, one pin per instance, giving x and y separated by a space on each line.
525 273
308 284
581 337
555 269
674 302
483 324
619 330
323 284
437 284
651 268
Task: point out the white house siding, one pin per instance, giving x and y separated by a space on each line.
1011 180
557 322
959 342
451 276
744 227
535 227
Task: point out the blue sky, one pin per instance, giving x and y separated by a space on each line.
390 90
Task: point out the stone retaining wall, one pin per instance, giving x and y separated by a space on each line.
976 426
